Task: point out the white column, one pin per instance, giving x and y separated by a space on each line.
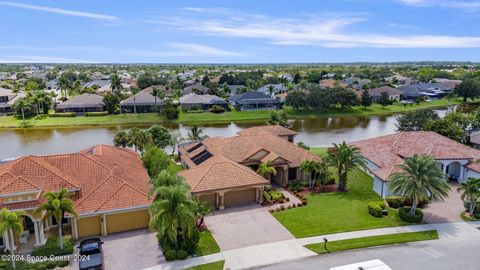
41 232
37 234
104 225
5 240
12 238
462 169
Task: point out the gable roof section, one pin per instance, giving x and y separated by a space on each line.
274 129
84 100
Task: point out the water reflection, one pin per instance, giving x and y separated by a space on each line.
314 132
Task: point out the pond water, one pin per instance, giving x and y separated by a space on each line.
322 131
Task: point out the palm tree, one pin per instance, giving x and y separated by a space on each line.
64 84
471 192
138 138
345 158
267 170
134 91
312 167
201 210
22 104
172 214
57 205
163 179
11 222
175 140
195 133
271 89
116 84
420 179
121 139
158 93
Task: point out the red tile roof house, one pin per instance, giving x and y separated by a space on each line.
108 185
384 153
222 171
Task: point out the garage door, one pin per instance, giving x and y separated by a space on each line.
127 221
209 200
240 197
88 226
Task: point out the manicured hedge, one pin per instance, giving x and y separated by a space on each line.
181 254
52 248
394 201
63 114
96 113
375 208
405 215
170 255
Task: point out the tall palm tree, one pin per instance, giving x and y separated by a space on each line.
65 85
139 139
10 222
155 94
271 89
173 214
470 192
175 140
57 205
121 139
267 170
22 104
116 84
195 133
164 179
134 91
312 167
345 158
420 179
201 210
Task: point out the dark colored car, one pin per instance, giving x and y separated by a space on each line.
91 256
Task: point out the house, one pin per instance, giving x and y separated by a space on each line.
196 89
254 101
393 94
108 187
201 102
328 83
7 99
222 171
272 89
399 80
82 104
236 89
429 90
474 139
354 82
142 102
384 153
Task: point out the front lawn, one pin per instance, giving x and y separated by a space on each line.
209 266
336 212
207 244
372 241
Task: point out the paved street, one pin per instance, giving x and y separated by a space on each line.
428 255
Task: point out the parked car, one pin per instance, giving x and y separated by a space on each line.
91 256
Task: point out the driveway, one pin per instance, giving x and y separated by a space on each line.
243 227
131 250
448 210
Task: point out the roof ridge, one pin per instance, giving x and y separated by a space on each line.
109 197
51 168
83 198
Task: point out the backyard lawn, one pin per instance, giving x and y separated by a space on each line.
336 212
207 244
372 241
209 266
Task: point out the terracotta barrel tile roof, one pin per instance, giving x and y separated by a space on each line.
104 177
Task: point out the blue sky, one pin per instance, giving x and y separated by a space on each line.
247 31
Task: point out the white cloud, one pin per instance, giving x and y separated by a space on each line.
185 50
322 30
466 5
61 11
40 59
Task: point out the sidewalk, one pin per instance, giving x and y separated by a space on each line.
281 251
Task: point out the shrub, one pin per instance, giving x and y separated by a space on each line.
420 204
266 197
375 209
294 205
52 248
282 207
41 267
394 201
304 202
65 114
170 255
299 204
63 263
51 264
467 206
96 113
404 214
295 186
181 254
217 109
289 207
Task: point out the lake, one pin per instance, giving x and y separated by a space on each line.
322 131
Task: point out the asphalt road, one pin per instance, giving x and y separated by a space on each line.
448 254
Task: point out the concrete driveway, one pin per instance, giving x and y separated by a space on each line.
448 210
130 250
243 227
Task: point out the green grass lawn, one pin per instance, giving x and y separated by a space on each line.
207 117
173 168
319 151
209 266
372 241
336 212
207 244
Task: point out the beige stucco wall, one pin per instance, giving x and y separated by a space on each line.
127 221
89 226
